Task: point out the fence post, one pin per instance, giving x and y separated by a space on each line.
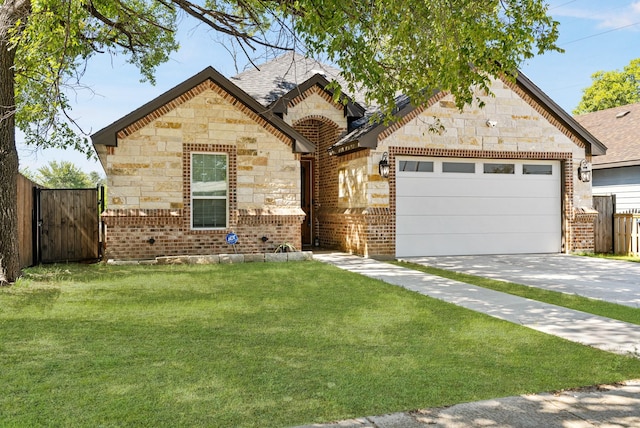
634 234
101 234
36 227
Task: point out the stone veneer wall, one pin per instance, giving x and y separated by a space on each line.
525 131
149 179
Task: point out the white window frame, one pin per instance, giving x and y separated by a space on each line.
192 197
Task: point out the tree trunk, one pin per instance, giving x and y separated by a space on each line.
10 12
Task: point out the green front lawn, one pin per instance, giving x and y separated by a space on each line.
258 345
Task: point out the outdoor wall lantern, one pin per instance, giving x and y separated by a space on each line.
383 166
584 171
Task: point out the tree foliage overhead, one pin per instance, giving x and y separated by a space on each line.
415 46
611 89
387 46
53 43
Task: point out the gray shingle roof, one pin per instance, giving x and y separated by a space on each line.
619 129
271 80
366 129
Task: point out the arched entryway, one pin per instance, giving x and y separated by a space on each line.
319 178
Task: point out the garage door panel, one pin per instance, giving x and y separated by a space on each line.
491 225
443 187
475 206
434 187
450 213
479 243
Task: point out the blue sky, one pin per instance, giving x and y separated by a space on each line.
596 35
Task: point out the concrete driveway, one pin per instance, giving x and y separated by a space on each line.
611 280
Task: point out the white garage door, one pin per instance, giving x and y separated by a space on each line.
453 206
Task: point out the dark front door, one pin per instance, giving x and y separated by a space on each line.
306 181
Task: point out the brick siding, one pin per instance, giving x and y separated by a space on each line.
149 180
146 234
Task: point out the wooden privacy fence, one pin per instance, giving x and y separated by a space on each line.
58 225
625 232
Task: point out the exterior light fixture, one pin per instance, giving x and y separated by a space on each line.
383 166
584 171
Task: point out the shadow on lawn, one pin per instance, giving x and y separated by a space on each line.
42 298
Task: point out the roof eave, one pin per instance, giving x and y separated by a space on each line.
597 147
369 139
617 164
366 141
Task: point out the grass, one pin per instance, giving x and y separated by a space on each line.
571 301
258 345
634 259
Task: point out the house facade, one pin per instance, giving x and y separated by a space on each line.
617 172
273 157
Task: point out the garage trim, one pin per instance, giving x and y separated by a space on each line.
566 177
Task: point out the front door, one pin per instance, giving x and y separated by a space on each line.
306 182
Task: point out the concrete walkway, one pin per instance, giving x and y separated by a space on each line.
615 281
604 406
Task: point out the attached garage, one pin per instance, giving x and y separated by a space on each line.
458 206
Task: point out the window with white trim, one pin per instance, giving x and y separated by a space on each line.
209 191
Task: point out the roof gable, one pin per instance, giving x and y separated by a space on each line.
578 132
371 131
351 109
619 129
162 104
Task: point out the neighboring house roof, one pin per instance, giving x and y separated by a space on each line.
366 136
619 129
107 135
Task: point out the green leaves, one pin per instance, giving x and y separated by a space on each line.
611 89
410 46
389 47
55 42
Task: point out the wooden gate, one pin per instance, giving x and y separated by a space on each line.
68 225
606 207
627 238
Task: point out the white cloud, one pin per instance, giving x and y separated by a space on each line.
605 15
